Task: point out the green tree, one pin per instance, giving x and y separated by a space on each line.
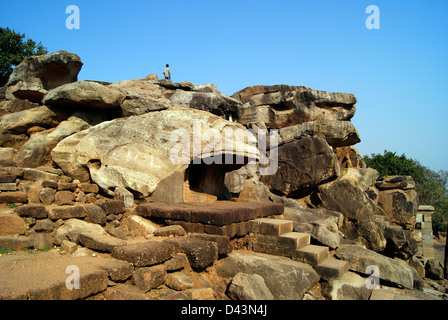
390 164
13 49
431 186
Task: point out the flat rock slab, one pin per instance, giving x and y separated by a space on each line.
391 270
146 253
219 213
43 276
286 279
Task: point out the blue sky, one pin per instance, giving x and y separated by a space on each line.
398 73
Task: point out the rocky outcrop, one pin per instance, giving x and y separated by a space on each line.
349 157
133 175
36 151
302 166
286 279
399 200
282 106
36 75
336 133
249 287
359 212
391 270
20 122
142 96
84 94
207 98
135 152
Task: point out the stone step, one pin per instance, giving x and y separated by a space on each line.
296 240
220 213
311 254
284 245
332 268
273 227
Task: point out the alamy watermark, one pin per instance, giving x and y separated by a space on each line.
373 280
373 20
73 21
72 281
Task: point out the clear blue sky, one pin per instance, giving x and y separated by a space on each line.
398 73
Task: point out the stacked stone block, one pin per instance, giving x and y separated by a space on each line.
424 231
276 236
223 218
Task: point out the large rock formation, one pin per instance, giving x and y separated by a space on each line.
141 152
359 212
336 133
302 166
93 167
282 106
398 198
85 94
391 270
285 278
207 98
36 151
142 96
36 75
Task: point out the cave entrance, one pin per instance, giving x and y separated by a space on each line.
205 182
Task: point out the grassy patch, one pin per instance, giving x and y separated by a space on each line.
45 249
3 250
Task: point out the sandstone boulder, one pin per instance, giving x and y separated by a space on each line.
434 270
364 177
72 228
44 276
179 281
286 279
20 122
36 151
396 182
100 242
17 105
11 223
249 287
350 286
235 180
146 253
399 242
85 93
392 270
36 75
207 98
346 197
302 165
326 233
142 96
143 154
7 159
281 106
400 205
336 133
200 253
254 190
139 226
349 157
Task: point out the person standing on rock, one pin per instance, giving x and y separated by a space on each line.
167 72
